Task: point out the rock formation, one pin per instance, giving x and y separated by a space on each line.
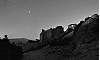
85 44
47 35
82 43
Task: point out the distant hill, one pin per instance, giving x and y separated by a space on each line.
16 40
25 43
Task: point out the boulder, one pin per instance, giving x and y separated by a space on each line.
89 29
86 33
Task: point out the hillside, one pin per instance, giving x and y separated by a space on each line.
80 44
28 46
16 40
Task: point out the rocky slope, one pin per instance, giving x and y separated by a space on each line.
83 46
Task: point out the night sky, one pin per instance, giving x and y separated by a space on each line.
26 18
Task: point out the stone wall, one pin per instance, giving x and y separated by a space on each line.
56 31
47 35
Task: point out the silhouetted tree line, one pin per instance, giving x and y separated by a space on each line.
9 51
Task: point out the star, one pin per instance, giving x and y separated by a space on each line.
29 11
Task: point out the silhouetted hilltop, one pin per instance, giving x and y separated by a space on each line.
9 51
78 42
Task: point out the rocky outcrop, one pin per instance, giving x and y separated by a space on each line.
71 34
47 35
83 45
88 30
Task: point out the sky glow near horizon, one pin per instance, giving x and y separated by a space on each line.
26 18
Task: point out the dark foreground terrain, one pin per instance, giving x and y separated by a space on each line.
83 44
